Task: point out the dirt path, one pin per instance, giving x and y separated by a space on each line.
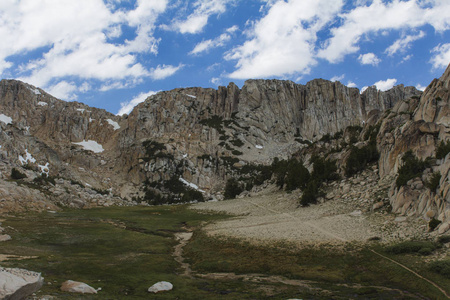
267 218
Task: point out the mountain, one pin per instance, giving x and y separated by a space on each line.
188 140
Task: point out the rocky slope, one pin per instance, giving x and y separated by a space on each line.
204 136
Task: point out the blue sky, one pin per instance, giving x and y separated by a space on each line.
113 53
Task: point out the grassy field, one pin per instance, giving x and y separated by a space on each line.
125 250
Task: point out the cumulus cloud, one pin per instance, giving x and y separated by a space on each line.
337 78
77 35
127 107
282 42
163 71
351 84
384 85
379 16
63 90
404 43
441 56
221 40
369 59
420 87
198 19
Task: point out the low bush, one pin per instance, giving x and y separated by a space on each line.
17 175
433 183
359 158
433 224
441 267
232 189
444 239
412 167
443 149
44 179
421 247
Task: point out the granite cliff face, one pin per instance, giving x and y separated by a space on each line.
202 136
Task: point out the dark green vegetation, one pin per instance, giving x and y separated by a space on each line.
421 247
433 183
17 175
441 267
126 250
359 158
442 150
412 167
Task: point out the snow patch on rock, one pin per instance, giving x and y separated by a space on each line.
91 145
81 110
113 124
5 119
44 169
42 103
191 185
191 96
28 158
259 146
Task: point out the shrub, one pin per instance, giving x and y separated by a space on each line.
412 167
232 189
443 149
324 170
192 195
433 183
411 247
444 239
433 224
44 179
237 143
297 176
17 175
441 267
310 193
359 158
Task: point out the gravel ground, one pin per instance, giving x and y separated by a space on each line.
275 216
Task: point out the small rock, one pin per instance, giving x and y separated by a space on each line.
4 237
77 287
161 286
444 228
430 214
356 213
400 219
378 205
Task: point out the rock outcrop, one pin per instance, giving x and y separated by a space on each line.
200 136
16 284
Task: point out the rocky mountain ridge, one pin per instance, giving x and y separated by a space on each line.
201 137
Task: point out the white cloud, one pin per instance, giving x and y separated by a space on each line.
369 59
216 81
420 87
76 34
441 57
63 90
406 58
163 71
379 16
363 89
282 42
351 84
384 85
127 107
337 78
403 44
205 46
197 20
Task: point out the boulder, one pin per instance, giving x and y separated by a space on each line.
444 228
161 286
378 205
77 287
19 283
4 237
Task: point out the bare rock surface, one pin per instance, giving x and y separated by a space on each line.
77 287
162 286
16 284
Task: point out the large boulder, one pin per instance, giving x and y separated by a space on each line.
161 286
16 284
77 287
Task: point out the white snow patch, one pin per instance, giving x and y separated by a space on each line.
42 103
36 91
91 145
90 120
44 169
28 158
81 110
185 155
192 96
190 184
259 147
113 124
87 184
5 119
